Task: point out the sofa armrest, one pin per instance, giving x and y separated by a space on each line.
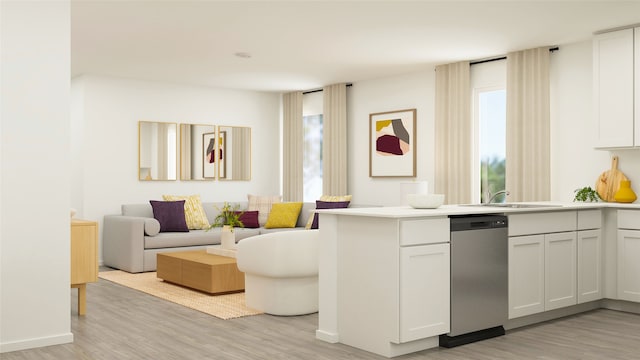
123 242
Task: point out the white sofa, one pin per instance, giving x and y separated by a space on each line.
127 246
281 272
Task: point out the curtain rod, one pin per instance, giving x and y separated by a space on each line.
504 57
318 90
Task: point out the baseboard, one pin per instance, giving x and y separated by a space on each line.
327 336
36 342
621 305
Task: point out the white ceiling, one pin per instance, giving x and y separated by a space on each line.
302 45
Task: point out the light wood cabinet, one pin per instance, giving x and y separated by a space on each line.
84 258
616 87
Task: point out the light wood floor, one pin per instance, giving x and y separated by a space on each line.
122 323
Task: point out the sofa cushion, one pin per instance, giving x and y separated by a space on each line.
170 215
327 205
249 219
151 227
193 210
283 215
181 239
263 205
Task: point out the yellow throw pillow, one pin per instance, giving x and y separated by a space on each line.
193 211
335 198
283 215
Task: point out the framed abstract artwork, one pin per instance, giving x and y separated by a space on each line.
209 155
392 144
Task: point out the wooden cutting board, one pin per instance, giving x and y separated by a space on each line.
609 181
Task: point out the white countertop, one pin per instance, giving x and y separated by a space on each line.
446 210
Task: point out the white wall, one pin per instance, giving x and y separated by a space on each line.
35 165
574 161
108 156
409 91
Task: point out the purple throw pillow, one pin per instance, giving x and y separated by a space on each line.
327 205
249 219
170 215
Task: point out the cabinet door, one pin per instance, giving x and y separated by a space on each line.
629 265
560 270
589 265
424 291
526 275
613 88
84 252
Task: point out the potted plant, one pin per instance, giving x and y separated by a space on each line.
586 194
228 218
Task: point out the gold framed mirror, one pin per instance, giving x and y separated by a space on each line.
157 151
234 153
197 152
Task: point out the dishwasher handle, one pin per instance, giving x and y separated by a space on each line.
478 222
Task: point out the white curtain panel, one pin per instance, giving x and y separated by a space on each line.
334 140
453 138
293 139
527 153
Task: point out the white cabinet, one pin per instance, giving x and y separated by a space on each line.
526 275
589 265
542 273
615 60
393 284
542 262
560 270
629 265
629 255
422 274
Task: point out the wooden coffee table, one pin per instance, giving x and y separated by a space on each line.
199 270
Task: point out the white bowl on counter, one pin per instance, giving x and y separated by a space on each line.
425 201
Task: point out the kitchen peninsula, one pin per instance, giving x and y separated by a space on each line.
384 272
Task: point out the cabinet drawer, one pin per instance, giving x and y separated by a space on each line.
424 231
589 219
542 223
629 219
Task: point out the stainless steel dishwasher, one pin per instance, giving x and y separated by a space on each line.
479 278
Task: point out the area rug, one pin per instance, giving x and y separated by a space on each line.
228 306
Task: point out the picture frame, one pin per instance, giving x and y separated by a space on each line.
209 155
392 143
222 155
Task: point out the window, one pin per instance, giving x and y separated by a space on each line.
312 158
489 98
492 143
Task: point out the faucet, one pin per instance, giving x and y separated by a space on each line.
492 197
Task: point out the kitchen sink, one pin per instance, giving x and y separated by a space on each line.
516 205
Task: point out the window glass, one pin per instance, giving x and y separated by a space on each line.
312 158
488 92
492 143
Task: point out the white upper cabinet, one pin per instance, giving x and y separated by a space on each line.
613 88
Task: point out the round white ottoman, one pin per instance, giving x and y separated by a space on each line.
281 271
